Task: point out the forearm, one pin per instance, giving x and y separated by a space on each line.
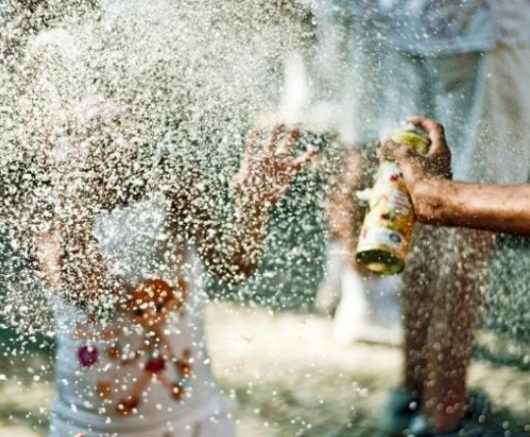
232 250
499 208
250 232
74 266
345 211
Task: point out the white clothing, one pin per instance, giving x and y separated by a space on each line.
369 307
481 99
92 381
214 426
447 27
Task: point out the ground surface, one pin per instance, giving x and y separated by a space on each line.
289 376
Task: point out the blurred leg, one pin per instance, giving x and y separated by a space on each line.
344 220
328 295
408 92
457 303
419 278
344 215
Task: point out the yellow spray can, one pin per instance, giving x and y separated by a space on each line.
386 234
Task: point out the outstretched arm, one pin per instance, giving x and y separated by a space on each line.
498 208
438 200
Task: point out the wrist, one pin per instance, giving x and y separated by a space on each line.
427 198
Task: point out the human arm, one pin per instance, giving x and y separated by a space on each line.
344 209
440 201
231 247
498 208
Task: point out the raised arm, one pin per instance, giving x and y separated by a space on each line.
440 201
231 247
91 169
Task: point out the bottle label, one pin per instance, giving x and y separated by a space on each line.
388 224
382 237
398 203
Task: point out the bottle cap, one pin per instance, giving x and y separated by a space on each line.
413 136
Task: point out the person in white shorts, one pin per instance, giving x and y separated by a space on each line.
453 63
464 64
346 69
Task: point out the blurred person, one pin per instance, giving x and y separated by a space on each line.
349 50
440 201
464 64
145 371
454 62
125 231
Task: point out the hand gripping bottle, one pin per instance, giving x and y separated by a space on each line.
386 234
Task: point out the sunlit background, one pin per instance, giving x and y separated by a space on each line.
279 346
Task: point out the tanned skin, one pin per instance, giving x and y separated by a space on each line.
440 201
231 250
441 299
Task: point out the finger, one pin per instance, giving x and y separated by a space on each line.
435 130
289 143
391 149
432 127
439 153
252 140
441 164
422 121
275 135
305 158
